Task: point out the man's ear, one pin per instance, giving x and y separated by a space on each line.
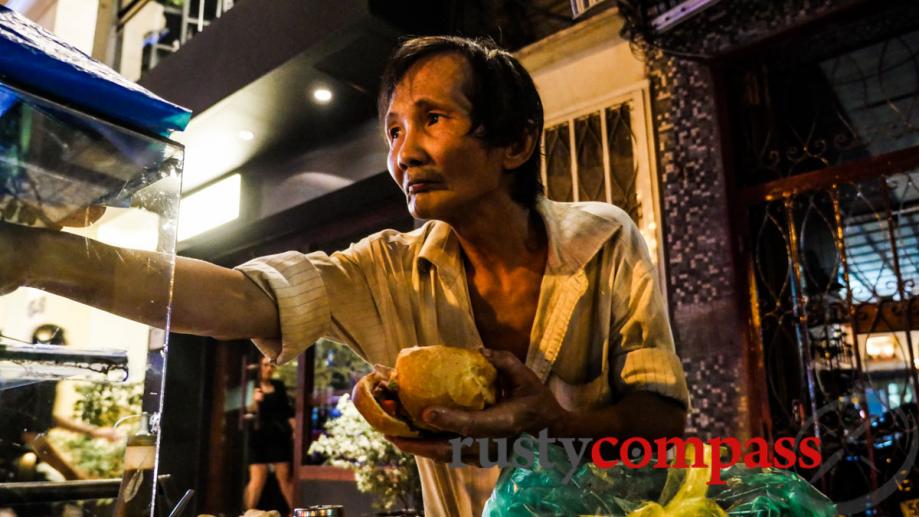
520 151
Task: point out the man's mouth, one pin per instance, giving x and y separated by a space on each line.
420 186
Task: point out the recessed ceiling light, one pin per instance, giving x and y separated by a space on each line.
246 135
322 95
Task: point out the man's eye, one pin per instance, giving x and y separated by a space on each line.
433 118
393 133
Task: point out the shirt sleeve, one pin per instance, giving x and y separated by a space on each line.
643 357
320 295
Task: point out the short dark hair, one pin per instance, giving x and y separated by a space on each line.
505 104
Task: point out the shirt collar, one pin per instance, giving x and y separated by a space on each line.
575 235
441 249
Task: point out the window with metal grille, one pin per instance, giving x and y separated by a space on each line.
601 152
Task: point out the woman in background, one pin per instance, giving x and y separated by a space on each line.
271 437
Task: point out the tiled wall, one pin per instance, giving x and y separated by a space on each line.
715 388
702 290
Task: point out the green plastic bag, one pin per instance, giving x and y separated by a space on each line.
650 492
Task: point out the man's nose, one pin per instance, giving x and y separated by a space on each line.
411 152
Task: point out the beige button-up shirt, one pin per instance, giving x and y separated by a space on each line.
601 328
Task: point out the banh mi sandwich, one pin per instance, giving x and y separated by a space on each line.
392 399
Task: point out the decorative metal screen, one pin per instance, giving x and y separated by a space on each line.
806 112
835 271
592 158
558 163
829 165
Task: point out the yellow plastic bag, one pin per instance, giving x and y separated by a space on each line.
691 497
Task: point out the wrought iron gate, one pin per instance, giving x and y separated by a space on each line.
828 167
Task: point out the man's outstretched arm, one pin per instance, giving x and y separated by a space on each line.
208 300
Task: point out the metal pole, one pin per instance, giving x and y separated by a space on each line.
183 32
840 239
758 347
800 312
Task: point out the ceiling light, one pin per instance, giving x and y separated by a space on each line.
246 135
209 207
322 95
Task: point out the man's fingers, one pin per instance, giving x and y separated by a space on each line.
511 368
496 421
450 420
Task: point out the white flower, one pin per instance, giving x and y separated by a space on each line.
379 468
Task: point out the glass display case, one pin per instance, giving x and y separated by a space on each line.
78 385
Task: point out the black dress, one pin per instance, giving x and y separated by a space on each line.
271 440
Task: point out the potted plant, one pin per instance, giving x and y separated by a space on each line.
100 405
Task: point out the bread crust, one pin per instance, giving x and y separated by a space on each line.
373 413
451 377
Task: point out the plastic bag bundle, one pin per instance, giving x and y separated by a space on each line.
541 491
651 492
770 492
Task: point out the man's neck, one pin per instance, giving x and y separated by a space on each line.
503 237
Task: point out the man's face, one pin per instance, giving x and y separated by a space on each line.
444 171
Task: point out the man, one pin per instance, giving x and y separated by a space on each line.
562 296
